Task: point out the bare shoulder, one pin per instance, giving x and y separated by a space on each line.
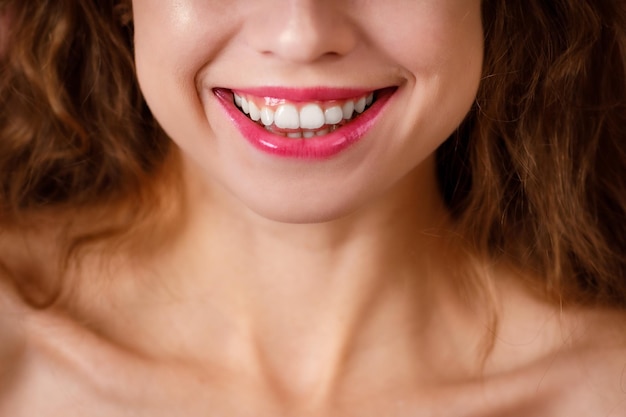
597 363
556 361
40 364
586 376
12 311
31 368
12 340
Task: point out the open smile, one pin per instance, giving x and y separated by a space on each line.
301 119
312 124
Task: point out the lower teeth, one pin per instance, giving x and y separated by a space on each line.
306 134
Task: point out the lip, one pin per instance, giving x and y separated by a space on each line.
309 94
321 147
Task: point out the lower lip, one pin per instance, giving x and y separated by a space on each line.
319 147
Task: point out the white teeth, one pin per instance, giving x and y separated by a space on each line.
333 115
311 117
255 113
287 117
267 116
237 99
348 109
360 105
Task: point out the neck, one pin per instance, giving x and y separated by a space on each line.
297 303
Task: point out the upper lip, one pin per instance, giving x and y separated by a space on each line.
305 94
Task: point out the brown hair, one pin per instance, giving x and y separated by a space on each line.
536 174
75 133
74 128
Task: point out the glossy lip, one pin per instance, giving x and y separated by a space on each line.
309 94
320 147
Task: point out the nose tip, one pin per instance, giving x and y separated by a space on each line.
304 31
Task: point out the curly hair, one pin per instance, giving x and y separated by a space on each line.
536 174
74 129
76 136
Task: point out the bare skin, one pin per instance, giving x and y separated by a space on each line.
292 329
363 315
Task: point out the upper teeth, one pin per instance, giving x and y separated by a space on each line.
307 116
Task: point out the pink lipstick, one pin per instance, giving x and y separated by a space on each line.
331 120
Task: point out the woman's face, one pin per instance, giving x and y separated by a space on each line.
344 98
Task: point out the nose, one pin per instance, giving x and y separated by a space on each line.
302 31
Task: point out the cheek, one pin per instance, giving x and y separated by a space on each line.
444 59
167 39
440 51
432 36
180 35
173 43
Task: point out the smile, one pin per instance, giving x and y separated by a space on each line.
297 120
303 123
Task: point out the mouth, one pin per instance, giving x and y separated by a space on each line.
311 124
302 120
